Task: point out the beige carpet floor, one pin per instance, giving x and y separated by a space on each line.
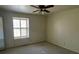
38 48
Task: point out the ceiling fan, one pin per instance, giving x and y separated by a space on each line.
42 8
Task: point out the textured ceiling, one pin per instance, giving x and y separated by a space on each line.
29 9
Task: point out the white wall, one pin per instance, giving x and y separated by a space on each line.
37 28
63 29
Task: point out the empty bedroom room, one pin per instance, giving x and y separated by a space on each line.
39 29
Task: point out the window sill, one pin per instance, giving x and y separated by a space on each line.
20 38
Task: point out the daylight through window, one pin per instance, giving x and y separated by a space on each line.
20 27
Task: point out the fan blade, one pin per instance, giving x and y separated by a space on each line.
34 6
49 6
47 11
41 6
35 10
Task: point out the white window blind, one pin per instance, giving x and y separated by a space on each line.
20 27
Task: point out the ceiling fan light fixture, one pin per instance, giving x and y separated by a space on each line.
42 8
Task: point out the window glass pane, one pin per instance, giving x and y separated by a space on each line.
16 23
21 27
23 23
16 32
27 22
27 32
23 32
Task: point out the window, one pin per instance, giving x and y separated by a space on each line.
20 27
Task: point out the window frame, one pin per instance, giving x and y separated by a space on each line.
27 28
